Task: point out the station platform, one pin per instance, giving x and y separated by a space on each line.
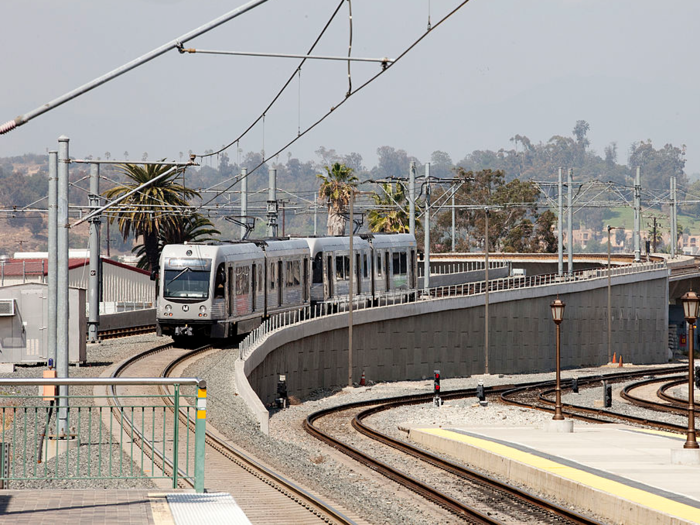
128 507
618 473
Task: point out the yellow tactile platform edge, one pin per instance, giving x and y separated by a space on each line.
615 488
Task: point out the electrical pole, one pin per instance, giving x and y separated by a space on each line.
94 279
486 293
62 304
244 201
426 259
453 221
272 204
412 199
570 225
674 218
637 215
560 226
53 252
351 283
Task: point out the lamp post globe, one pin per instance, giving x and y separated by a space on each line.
691 305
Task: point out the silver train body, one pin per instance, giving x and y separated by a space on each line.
219 290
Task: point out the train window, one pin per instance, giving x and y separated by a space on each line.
296 273
289 277
366 266
347 267
273 275
379 263
242 280
220 285
261 281
396 264
339 268
404 265
317 268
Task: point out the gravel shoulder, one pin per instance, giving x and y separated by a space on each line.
294 452
24 454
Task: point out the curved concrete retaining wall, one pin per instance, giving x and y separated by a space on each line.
410 341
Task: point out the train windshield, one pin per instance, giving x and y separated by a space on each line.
187 278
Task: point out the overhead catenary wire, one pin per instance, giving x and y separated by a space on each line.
347 97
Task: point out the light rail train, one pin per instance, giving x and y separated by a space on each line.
222 289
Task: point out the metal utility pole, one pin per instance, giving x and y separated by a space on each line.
351 283
53 252
244 201
94 279
315 214
453 222
62 284
609 300
570 223
486 292
272 204
560 226
674 218
426 227
637 215
653 240
412 199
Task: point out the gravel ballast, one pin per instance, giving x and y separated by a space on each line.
24 454
300 456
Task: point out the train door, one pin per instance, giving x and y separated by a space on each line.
330 275
280 282
412 264
254 286
387 274
231 293
305 292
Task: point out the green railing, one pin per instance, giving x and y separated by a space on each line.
106 437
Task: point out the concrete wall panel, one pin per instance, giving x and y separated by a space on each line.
410 341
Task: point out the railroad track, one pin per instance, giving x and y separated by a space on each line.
496 502
265 496
539 397
125 332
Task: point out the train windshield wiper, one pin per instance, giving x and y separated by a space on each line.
187 269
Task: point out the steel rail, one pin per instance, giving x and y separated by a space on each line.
284 486
463 472
581 412
429 493
377 405
141 439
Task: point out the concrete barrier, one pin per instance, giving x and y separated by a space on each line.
409 341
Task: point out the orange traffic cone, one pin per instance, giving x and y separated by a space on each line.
362 379
615 358
620 361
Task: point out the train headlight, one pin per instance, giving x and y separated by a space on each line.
168 307
202 309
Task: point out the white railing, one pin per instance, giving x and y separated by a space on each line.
445 268
278 322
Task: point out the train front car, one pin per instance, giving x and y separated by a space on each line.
206 290
330 269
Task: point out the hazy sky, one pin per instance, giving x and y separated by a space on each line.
495 69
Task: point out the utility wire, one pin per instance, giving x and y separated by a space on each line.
282 90
347 97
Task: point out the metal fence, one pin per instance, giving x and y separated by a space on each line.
260 334
115 436
446 268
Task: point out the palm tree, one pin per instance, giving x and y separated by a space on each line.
147 210
178 230
395 219
336 188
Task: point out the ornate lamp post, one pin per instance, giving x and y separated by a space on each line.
558 315
691 305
